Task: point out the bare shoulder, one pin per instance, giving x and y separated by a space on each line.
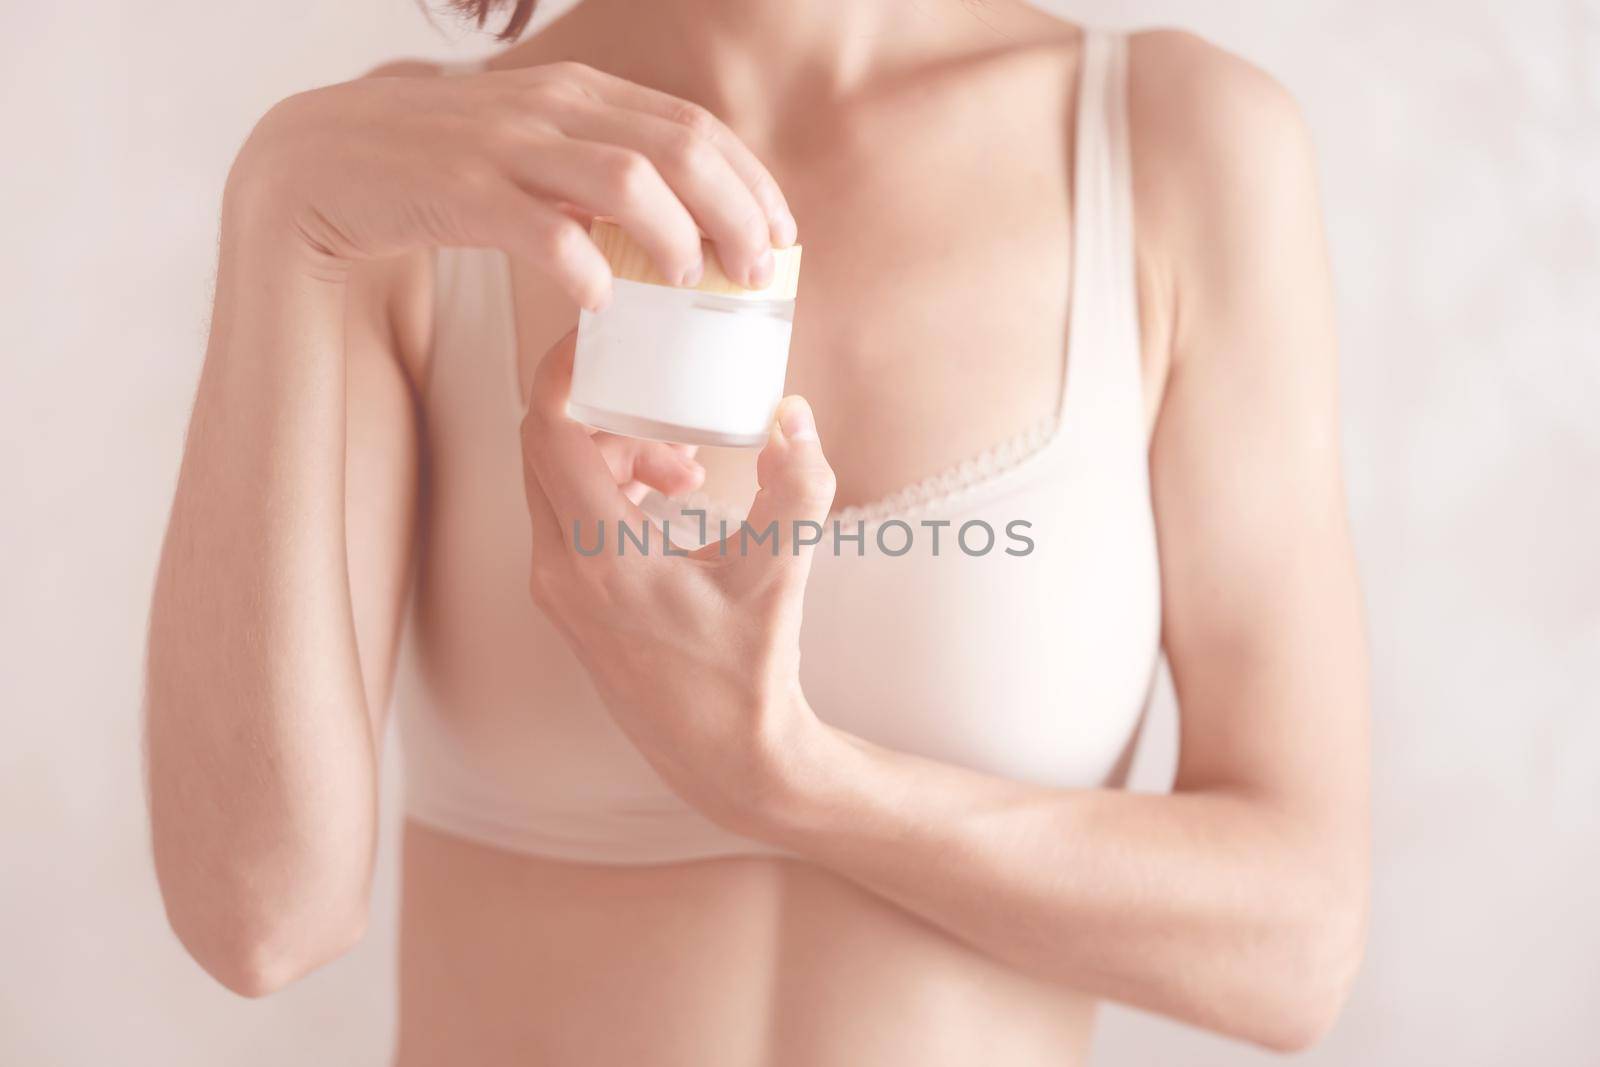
1193 102
1223 168
1212 133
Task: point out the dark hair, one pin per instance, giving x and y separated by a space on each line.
478 11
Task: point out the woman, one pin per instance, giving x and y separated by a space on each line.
641 829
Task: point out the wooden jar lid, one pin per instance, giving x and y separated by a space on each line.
629 261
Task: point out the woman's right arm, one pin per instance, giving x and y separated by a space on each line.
277 599
261 743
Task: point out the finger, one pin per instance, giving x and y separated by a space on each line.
550 554
667 472
655 464
575 213
548 543
721 203
797 486
756 177
548 239
610 179
569 467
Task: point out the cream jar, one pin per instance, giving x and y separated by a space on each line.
697 365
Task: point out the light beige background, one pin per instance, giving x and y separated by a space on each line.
1460 160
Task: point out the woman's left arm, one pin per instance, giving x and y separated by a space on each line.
1238 902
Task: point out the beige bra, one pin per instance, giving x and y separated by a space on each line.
1034 665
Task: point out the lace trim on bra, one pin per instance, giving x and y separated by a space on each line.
943 488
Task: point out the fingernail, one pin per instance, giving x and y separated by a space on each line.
784 229
761 273
796 420
693 275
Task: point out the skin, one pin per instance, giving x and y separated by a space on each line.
936 915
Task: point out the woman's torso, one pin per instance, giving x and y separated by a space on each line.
560 906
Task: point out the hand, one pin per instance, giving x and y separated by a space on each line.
696 656
511 160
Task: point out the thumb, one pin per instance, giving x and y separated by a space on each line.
796 488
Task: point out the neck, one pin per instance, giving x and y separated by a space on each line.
737 57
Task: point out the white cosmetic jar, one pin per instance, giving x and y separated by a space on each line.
697 365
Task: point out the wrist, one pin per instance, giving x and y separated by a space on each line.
259 228
804 778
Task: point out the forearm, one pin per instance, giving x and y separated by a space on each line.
261 756
1209 907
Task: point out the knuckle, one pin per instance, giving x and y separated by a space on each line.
563 242
628 173
754 229
550 95
765 189
819 485
697 120
688 151
569 70
508 134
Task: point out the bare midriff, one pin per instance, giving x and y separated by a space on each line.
746 962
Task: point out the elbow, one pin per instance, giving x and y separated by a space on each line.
1299 1026
1301 999
256 958
265 967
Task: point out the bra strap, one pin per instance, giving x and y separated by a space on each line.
1103 335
